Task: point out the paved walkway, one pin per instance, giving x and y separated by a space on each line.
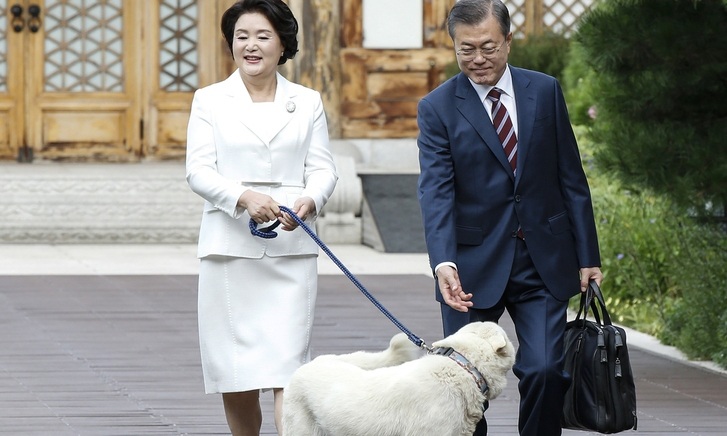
101 340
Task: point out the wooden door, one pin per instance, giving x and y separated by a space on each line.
11 81
183 51
82 75
103 81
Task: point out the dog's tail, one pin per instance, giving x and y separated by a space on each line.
400 350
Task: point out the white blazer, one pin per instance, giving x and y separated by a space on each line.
280 149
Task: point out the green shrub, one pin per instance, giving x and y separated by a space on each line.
547 53
697 324
657 162
660 93
720 355
638 247
664 271
578 80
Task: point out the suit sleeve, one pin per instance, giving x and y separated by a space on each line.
202 175
574 186
436 185
320 170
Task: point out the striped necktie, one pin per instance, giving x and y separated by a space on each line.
505 130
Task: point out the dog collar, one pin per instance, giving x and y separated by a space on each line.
465 364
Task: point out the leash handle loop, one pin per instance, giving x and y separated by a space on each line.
269 233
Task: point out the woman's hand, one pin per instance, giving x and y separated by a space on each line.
262 208
303 207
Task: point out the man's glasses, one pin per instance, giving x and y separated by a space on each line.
468 54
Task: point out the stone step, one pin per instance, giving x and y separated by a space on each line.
97 203
150 202
57 203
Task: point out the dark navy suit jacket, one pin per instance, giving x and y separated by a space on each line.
472 204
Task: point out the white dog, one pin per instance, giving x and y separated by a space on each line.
399 392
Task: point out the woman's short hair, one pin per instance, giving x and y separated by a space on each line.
279 15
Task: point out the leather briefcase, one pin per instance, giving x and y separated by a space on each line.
602 395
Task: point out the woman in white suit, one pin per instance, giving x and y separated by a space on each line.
256 141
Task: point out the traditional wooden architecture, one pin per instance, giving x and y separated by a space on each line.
112 80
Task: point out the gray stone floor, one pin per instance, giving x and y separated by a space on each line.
118 355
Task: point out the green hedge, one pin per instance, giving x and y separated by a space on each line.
665 269
547 53
697 324
660 89
664 272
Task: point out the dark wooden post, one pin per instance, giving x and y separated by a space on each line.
318 63
533 17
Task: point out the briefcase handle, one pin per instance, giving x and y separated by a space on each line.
588 300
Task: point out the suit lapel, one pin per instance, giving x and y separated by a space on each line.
267 129
474 111
285 106
526 101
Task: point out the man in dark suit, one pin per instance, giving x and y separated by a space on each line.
506 206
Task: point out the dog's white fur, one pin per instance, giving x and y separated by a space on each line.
396 392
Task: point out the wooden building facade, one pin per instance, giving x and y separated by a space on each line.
112 80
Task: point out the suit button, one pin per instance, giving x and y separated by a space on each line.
517 199
514 234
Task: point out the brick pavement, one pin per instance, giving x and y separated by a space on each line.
118 355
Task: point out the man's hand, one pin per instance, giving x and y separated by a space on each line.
588 274
451 289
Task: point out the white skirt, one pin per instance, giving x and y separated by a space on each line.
255 320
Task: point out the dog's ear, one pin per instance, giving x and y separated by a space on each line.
498 341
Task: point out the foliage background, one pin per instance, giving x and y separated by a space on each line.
648 101
661 89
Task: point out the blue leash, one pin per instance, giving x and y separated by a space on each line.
268 233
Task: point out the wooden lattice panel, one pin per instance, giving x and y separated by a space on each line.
178 38
83 46
3 48
561 16
518 16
